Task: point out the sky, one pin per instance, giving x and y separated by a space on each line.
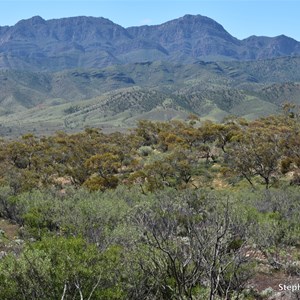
241 18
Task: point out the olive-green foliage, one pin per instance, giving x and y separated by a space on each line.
59 266
137 215
158 245
157 154
77 212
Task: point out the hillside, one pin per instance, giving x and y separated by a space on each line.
119 95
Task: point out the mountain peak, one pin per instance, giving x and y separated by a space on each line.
83 19
195 19
199 20
35 20
283 37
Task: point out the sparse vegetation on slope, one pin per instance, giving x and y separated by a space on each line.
120 95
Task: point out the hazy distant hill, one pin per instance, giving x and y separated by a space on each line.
89 42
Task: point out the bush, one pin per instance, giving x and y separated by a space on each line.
145 150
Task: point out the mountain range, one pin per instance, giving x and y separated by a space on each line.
88 42
66 74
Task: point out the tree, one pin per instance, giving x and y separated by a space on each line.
104 166
256 151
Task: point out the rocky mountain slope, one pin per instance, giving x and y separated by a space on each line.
88 42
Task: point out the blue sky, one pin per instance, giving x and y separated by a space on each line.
241 18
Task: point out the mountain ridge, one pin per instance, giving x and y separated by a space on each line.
94 42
